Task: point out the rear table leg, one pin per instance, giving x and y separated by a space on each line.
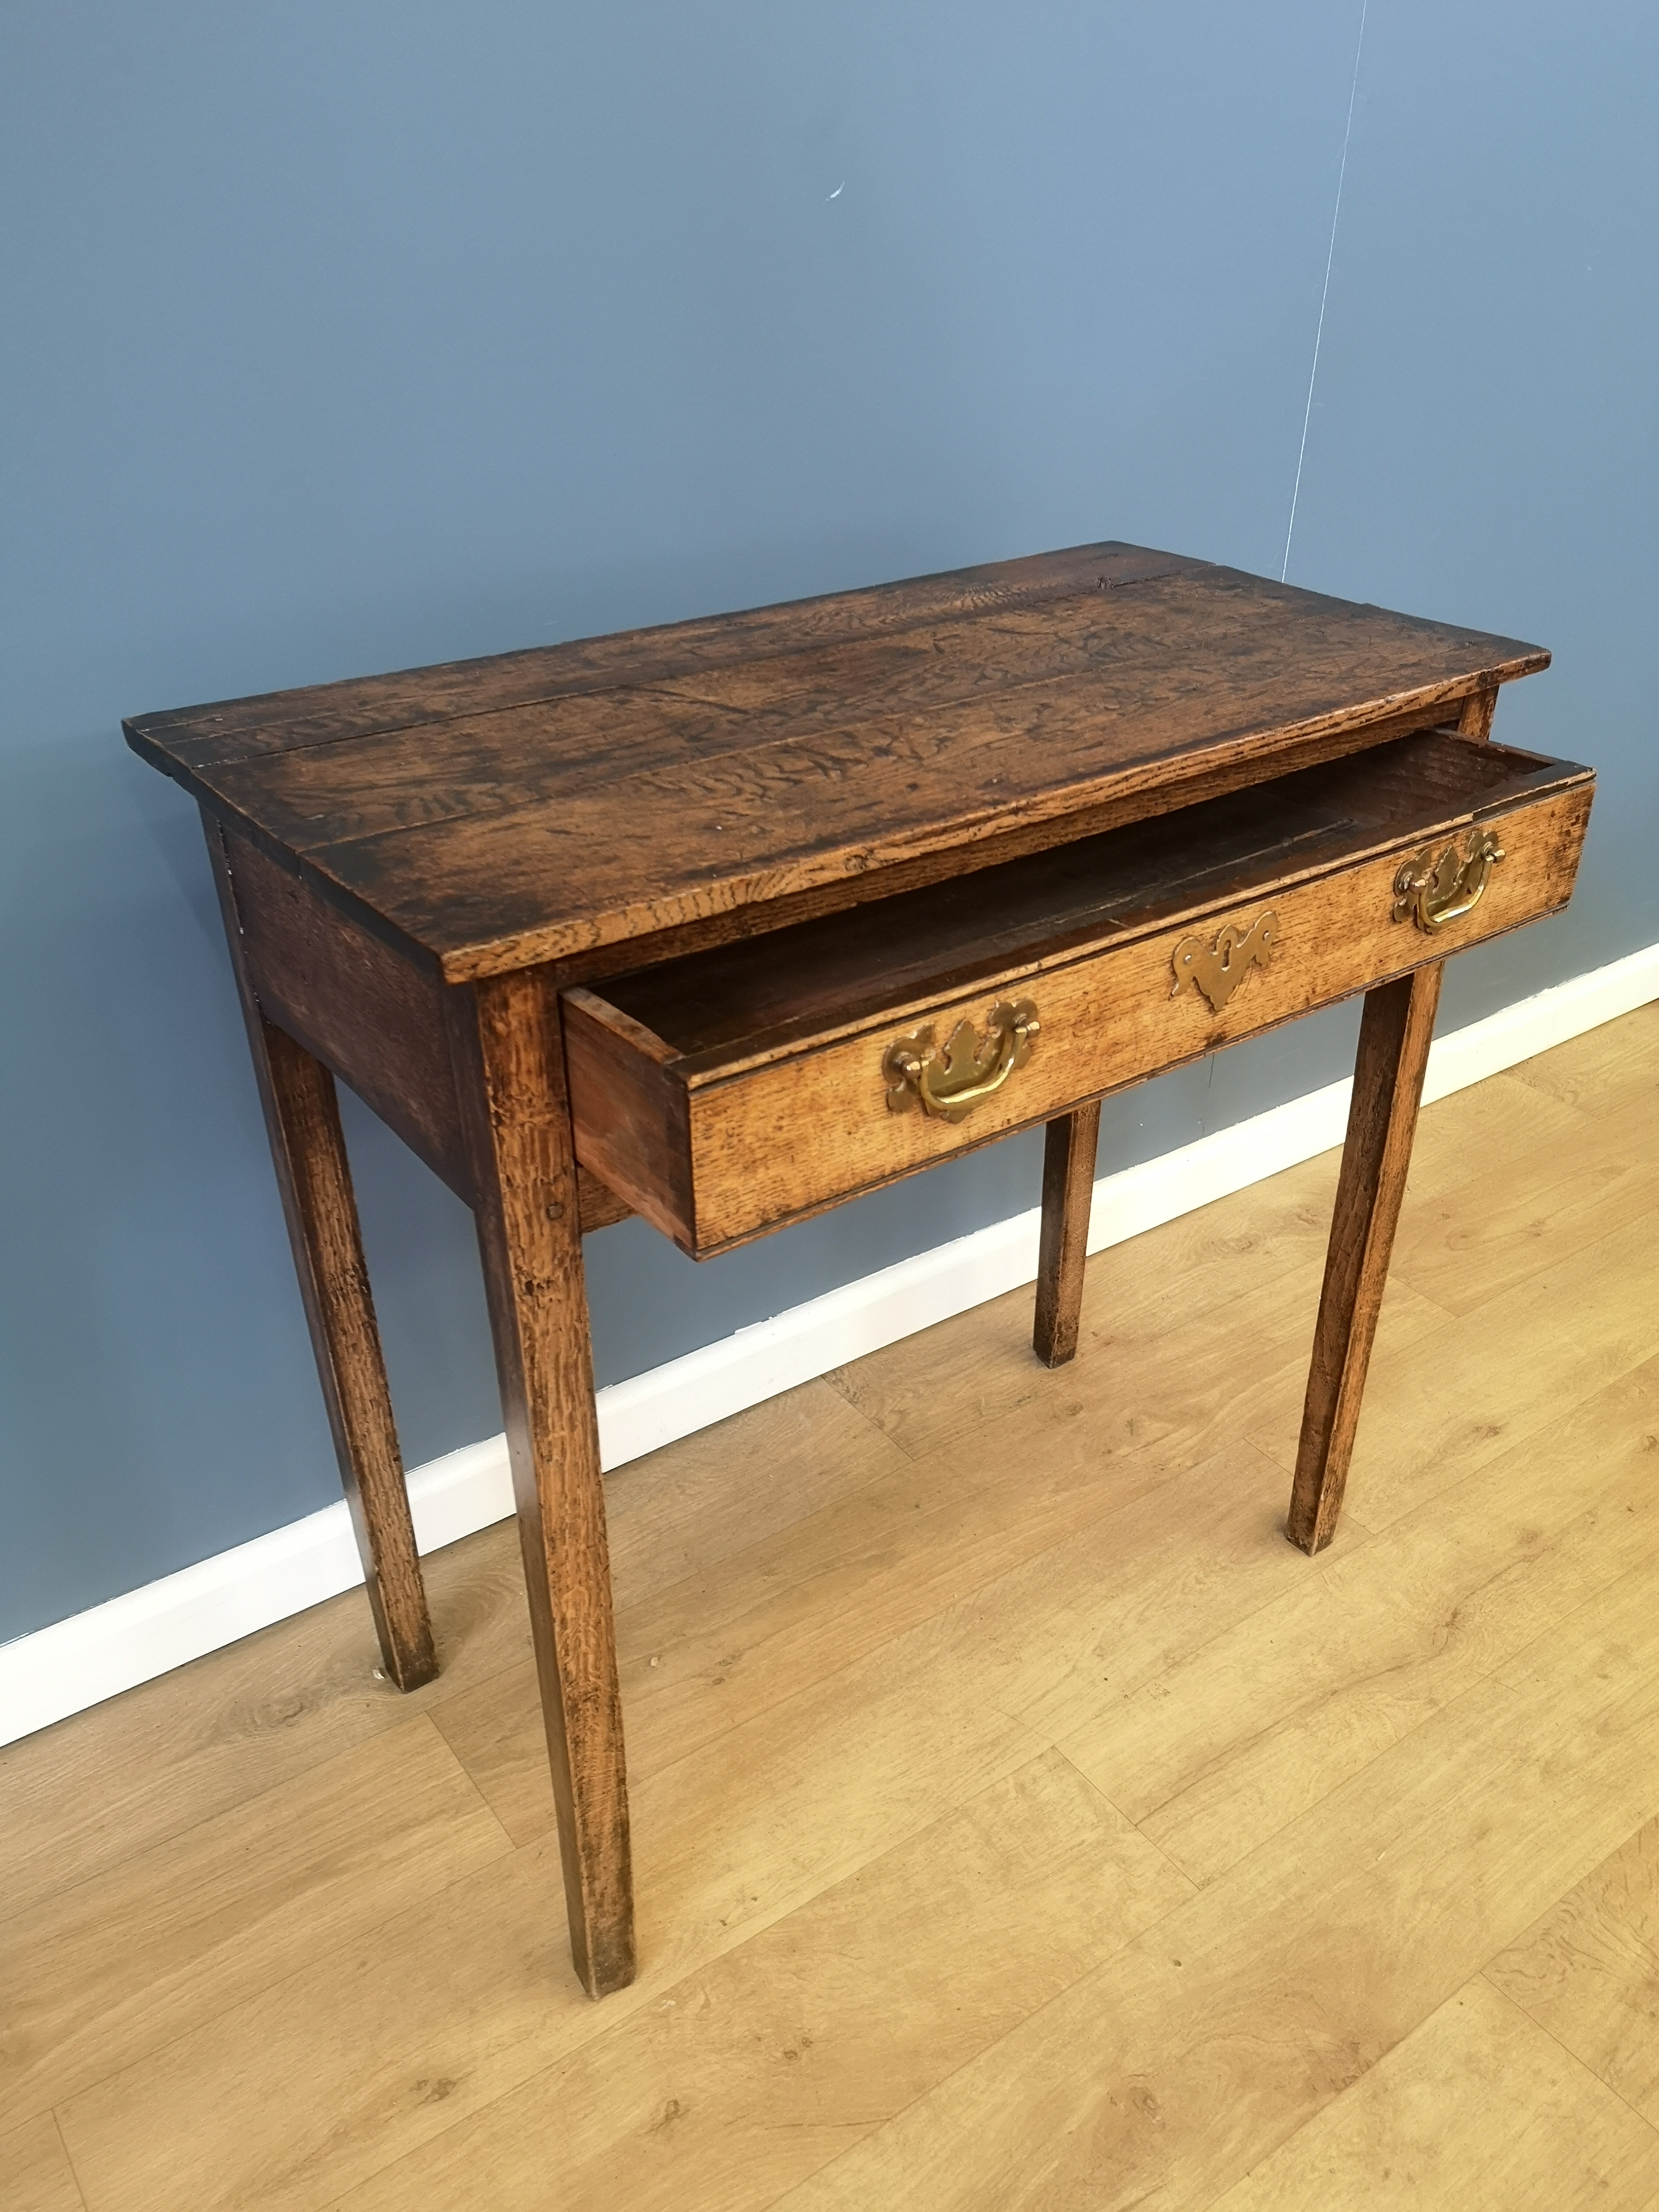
302 1119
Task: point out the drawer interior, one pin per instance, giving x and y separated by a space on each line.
762 993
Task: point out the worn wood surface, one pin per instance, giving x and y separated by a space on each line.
497 814
1068 1185
736 1003
927 1952
510 1078
1474 718
375 1018
308 1145
759 1124
1395 1032
631 1127
429 860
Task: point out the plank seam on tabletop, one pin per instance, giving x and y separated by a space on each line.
92 1655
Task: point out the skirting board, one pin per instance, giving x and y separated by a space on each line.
78 1663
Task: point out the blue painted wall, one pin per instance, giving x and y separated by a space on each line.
341 336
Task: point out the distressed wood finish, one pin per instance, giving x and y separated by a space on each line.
371 1015
1395 1035
1476 716
512 813
766 1100
629 923
374 1017
1068 1184
307 1146
510 1067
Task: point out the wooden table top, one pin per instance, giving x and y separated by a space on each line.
488 814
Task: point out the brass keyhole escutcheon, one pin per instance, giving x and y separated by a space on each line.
948 1083
1219 968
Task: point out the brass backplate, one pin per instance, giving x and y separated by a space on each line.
948 1082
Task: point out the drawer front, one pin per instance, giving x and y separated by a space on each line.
773 1141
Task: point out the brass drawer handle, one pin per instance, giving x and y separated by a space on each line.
1435 890
949 1084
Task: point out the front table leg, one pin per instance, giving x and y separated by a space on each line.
510 1067
1394 1034
1068 1184
307 1146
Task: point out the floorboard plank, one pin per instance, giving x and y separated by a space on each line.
1464 1241
1167 2073
1477 2109
386 2043
1228 1747
904 1652
755 2073
1440 1403
1589 1970
35 2175
1606 1069
112 1782
120 1964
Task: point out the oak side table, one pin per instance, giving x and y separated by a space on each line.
725 922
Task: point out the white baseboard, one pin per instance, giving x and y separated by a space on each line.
94 1654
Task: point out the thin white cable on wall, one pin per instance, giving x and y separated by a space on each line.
1330 256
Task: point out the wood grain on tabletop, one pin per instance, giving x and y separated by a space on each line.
916 1756
494 814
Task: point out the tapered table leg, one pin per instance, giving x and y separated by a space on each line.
302 1118
1394 1034
510 1069
1068 1182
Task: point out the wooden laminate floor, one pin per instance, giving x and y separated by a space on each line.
1020 1821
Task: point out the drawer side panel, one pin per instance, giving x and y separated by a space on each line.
629 1116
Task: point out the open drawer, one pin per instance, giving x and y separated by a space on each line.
733 1091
